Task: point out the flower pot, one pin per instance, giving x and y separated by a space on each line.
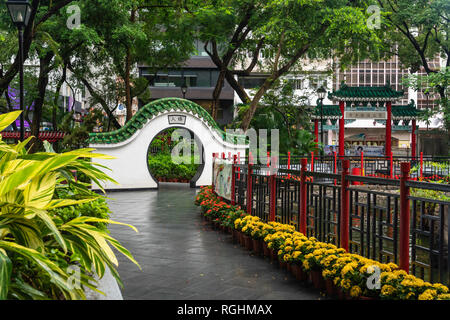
234 236
317 279
342 295
367 298
248 242
288 267
257 246
266 250
241 239
283 265
330 287
298 272
273 255
229 230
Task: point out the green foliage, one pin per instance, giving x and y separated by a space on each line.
49 222
162 167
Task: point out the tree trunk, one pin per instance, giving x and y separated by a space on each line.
44 70
216 94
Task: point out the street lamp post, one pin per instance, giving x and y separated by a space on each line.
20 11
321 93
184 88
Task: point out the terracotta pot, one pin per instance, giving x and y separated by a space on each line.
266 250
234 236
341 294
273 255
241 239
283 265
298 272
330 287
248 242
317 279
257 246
229 230
288 267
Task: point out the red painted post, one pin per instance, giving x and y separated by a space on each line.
239 161
421 166
223 155
312 164
362 163
345 212
273 197
302 198
389 129
404 217
249 189
233 181
289 164
342 130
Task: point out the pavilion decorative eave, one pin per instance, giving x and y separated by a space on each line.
365 94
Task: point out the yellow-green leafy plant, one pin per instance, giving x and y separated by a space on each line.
37 244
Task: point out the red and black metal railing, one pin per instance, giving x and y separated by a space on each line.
379 218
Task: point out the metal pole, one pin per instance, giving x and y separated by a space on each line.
321 127
22 122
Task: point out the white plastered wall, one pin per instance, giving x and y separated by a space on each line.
130 167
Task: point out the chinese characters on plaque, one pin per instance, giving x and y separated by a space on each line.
381 115
177 119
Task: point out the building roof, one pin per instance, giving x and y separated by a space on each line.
384 93
151 110
329 112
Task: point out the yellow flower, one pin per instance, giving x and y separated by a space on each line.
387 290
355 291
428 295
346 284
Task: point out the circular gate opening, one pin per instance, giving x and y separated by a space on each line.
176 155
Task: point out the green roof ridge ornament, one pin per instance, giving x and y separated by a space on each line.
152 109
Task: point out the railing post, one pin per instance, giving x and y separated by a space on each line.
249 189
233 181
302 197
312 164
362 163
345 212
273 196
404 217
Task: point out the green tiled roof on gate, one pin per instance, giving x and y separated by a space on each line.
384 93
407 112
329 112
153 109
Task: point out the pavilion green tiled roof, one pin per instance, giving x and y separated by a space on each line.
329 112
407 112
384 93
151 110
399 112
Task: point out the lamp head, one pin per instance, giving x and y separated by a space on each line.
321 93
20 12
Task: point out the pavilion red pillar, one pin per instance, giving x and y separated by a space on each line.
342 130
413 140
388 149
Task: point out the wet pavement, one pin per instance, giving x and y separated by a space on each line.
182 258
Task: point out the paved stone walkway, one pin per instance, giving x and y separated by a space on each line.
183 259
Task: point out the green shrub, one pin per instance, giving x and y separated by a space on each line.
49 222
